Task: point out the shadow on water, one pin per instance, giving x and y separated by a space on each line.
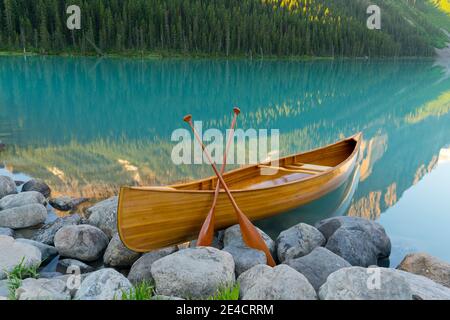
333 204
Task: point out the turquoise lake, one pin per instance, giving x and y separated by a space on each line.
87 126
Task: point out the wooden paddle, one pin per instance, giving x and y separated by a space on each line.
250 235
206 236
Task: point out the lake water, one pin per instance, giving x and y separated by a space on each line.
87 126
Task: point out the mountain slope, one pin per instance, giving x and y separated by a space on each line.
231 27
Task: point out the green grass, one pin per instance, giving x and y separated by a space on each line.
230 292
142 291
19 273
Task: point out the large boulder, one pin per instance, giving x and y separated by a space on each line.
66 203
43 289
245 258
103 215
428 266
13 253
298 241
359 241
280 283
23 217
37 185
141 269
64 265
233 237
193 273
22 199
7 232
357 283
4 288
117 255
104 284
424 288
47 251
7 186
318 265
82 242
46 233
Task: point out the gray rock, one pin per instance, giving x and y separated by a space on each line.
372 230
117 255
4 289
280 283
22 199
105 284
23 217
357 283
217 241
160 297
141 269
7 186
318 265
47 251
103 215
43 289
193 273
82 242
46 233
245 258
37 185
49 275
64 264
66 203
428 266
233 237
424 288
7 232
13 253
298 241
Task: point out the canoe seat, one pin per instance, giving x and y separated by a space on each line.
279 181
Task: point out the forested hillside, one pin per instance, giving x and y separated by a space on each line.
225 27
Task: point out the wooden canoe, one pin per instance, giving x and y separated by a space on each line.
150 218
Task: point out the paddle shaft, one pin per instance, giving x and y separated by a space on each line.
206 235
249 233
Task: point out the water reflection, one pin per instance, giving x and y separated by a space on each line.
87 127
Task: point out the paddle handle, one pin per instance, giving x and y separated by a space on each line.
249 233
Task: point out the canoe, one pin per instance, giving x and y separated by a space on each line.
150 218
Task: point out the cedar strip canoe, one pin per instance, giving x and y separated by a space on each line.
150 218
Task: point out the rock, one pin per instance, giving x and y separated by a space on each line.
47 251
46 234
217 241
4 289
375 230
105 284
117 255
233 237
43 289
64 264
193 273
280 283
82 242
357 283
50 275
318 265
66 203
103 215
428 266
7 186
7 232
141 269
23 217
37 185
245 258
424 288
13 253
22 199
298 241
160 297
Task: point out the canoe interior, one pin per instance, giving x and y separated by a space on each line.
292 168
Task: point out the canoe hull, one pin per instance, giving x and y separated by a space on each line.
152 218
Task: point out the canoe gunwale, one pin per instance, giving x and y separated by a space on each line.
172 188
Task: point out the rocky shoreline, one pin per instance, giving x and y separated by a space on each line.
81 257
